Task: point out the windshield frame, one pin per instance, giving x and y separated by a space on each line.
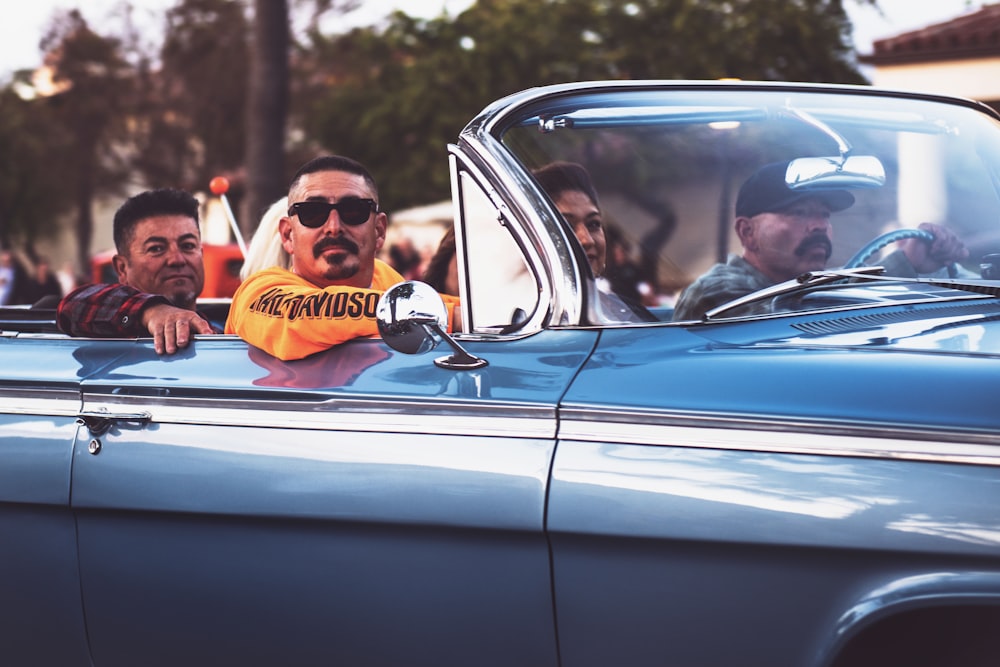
617 104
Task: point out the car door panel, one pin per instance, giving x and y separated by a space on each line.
41 613
362 507
672 527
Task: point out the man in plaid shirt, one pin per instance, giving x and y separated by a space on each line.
786 233
161 273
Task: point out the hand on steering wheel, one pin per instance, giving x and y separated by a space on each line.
927 248
944 249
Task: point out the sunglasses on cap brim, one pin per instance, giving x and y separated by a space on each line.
351 210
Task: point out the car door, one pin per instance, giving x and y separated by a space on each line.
41 613
701 513
356 507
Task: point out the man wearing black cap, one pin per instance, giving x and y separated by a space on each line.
785 233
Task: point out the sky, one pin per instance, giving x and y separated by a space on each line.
22 28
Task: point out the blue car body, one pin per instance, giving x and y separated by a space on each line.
816 485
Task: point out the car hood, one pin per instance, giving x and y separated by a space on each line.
917 368
968 327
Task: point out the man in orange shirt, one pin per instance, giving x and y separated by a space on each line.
333 231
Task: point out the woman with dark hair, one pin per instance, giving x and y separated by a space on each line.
569 186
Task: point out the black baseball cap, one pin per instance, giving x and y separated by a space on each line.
766 192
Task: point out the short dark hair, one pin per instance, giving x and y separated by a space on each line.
150 204
335 163
559 177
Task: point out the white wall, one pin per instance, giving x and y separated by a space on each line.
977 79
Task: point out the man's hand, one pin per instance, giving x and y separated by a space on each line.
946 248
172 327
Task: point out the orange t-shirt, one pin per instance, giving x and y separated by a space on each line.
290 318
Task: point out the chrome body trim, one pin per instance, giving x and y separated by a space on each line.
46 402
881 441
483 418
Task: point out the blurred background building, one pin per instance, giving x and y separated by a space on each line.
956 57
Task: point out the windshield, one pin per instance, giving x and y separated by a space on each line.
671 173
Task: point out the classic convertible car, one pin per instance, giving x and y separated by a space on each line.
806 476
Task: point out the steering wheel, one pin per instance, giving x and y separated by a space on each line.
881 241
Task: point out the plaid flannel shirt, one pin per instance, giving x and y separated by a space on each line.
102 310
722 283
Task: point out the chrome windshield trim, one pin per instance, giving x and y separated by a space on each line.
789 436
490 162
417 416
542 256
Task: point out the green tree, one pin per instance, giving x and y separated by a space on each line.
33 175
394 97
93 86
192 118
771 40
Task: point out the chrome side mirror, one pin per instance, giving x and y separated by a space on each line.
413 319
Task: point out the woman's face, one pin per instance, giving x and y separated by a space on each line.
585 218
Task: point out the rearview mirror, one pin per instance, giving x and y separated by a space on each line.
820 173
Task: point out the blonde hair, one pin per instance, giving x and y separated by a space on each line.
265 249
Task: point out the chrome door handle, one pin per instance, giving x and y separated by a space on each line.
99 421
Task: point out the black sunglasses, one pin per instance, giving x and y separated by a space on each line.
352 211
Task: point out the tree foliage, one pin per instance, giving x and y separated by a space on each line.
391 95
92 104
393 98
33 175
193 115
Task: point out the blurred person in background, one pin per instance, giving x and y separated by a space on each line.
41 283
624 276
68 280
6 277
403 257
442 269
17 289
265 249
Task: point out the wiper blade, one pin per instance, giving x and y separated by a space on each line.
869 273
802 281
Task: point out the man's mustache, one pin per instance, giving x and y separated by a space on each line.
334 242
814 240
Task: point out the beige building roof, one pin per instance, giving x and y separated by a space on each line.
957 57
